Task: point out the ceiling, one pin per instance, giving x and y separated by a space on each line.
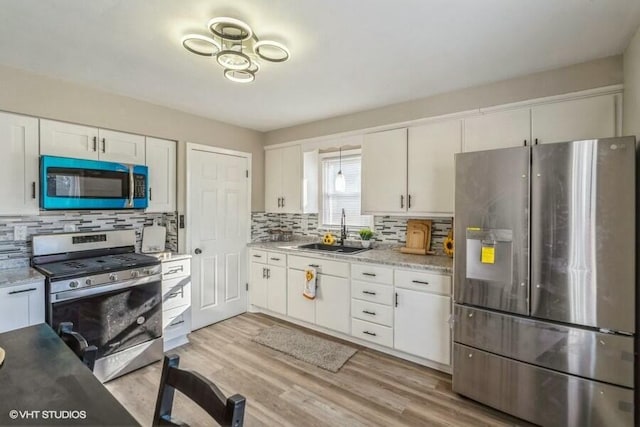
346 56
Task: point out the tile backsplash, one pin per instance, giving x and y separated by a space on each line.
387 229
15 253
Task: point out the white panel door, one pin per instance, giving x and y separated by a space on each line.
292 179
587 118
121 147
298 306
218 233
272 180
333 303
68 140
431 168
161 160
497 130
384 172
19 171
277 289
421 325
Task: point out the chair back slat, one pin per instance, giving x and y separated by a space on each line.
78 344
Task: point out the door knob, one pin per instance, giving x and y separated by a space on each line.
198 251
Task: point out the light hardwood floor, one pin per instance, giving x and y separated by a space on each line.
371 389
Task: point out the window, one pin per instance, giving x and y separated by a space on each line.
349 200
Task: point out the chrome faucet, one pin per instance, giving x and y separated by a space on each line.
343 228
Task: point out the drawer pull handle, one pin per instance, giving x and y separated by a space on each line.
369 274
176 323
420 282
174 294
22 291
368 292
257 256
175 270
314 265
275 259
370 333
369 312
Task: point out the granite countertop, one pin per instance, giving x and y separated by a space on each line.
19 276
390 256
169 256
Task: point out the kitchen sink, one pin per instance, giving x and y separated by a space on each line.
332 248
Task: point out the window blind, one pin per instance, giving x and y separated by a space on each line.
333 202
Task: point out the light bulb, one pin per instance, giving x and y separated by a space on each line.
340 184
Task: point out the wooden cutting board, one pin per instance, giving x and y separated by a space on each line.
418 237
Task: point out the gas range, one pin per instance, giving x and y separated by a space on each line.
112 295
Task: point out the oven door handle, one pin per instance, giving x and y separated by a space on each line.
102 289
131 186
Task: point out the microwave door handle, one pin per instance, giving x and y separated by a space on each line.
130 186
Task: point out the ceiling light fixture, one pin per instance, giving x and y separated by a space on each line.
236 48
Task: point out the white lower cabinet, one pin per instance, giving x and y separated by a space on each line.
176 301
21 305
421 325
332 303
331 307
268 281
377 334
298 306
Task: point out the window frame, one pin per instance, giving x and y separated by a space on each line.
321 194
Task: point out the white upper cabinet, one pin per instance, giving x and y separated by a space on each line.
161 160
586 118
283 179
430 162
502 129
85 142
384 172
121 147
68 140
19 171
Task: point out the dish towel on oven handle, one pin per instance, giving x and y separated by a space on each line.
310 283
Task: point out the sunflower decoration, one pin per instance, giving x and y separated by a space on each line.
309 275
328 239
448 244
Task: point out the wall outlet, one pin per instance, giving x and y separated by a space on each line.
20 233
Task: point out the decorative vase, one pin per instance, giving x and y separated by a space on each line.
366 243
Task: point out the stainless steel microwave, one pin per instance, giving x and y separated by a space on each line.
67 183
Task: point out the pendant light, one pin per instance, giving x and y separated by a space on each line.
340 183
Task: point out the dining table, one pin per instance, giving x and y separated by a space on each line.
43 382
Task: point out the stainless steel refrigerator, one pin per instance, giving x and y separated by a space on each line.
545 281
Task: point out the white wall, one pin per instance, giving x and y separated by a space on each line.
597 73
27 93
631 121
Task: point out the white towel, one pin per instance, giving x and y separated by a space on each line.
310 283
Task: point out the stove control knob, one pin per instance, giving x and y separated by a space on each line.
88 282
147 271
73 284
135 273
113 277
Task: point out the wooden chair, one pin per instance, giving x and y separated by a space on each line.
87 353
226 411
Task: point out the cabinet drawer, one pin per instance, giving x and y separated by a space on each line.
178 268
174 323
372 312
378 334
323 266
422 281
258 256
372 273
276 258
176 293
373 292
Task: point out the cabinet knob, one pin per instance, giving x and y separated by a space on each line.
198 251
